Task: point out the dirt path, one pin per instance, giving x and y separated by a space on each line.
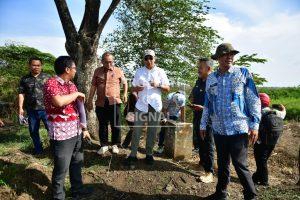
166 179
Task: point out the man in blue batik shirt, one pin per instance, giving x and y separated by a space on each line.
233 105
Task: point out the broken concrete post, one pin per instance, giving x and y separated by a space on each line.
178 140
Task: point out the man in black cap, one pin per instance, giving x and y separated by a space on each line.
233 105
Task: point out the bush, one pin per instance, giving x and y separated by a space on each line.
14 64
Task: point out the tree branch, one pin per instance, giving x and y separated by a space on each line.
90 19
107 15
66 20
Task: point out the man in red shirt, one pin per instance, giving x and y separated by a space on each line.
66 128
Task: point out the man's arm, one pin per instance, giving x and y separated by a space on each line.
165 84
63 100
165 88
21 103
205 112
253 104
125 86
21 96
90 98
182 113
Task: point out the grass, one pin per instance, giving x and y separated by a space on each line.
18 138
276 193
289 97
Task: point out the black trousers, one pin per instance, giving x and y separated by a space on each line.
196 128
109 114
262 153
206 151
236 148
128 137
68 156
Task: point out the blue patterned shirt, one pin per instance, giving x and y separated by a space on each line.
231 102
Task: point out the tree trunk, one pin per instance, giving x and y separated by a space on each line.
82 45
86 70
86 66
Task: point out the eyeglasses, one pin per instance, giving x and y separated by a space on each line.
148 58
72 68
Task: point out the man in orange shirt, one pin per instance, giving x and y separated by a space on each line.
106 81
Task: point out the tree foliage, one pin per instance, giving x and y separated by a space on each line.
173 28
247 61
14 64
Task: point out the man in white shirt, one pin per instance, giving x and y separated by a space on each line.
149 82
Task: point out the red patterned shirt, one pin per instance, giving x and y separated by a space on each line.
63 122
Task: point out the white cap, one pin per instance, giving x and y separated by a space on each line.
149 52
179 99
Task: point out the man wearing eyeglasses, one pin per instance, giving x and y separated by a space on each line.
149 82
106 81
233 106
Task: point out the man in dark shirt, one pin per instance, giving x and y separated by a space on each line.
197 97
31 98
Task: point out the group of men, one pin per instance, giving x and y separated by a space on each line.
225 103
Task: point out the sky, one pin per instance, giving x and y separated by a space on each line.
270 28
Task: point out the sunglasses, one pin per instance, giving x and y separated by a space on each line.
148 58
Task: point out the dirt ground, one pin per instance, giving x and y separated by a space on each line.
167 179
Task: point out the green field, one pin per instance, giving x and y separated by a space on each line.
289 97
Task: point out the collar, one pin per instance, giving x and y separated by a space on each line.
150 69
201 80
34 76
230 70
110 69
61 81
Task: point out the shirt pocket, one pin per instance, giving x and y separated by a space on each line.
100 79
213 91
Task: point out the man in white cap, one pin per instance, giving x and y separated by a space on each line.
149 82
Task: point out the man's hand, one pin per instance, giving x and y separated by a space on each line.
89 105
164 121
197 107
202 134
81 96
86 135
125 98
253 136
139 88
1 123
154 84
281 107
21 111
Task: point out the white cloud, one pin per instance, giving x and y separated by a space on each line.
275 38
252 9
53 45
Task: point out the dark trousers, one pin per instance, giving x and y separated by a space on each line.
162 132
128 137
196 128
34 119
68 155
109 114
262 153
236 148
206 151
